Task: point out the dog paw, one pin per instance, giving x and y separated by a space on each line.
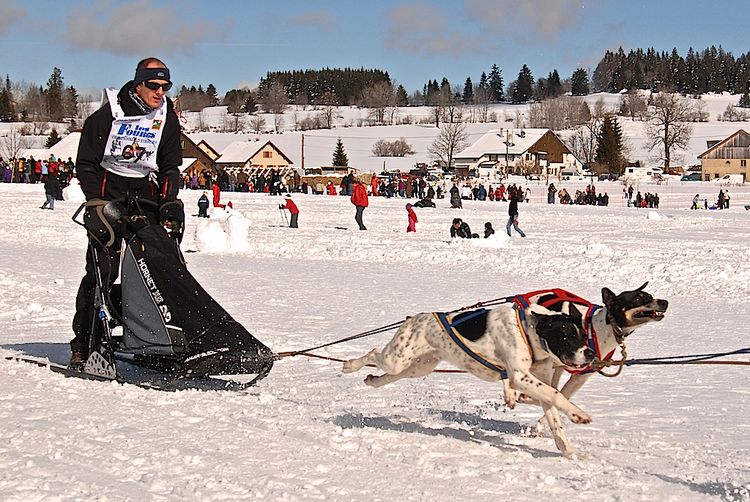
348 367
580 418
510 399
370 380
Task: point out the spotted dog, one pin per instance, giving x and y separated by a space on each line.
523 344
605 326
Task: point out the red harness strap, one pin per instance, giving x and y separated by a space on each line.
553 300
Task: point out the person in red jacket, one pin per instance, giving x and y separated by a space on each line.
216 189
359 199
412 219
293 210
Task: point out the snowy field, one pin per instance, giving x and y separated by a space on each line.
666 433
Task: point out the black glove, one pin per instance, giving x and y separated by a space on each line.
101 218
281 206
172 217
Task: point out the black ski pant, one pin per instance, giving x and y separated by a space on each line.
358 217
293 220
86 323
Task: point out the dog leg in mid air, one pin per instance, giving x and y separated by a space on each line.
535 388
421 366
509 394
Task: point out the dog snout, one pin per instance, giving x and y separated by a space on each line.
589 354
663 304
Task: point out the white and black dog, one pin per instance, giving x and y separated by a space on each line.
528 355
607 327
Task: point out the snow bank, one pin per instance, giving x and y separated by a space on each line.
225 231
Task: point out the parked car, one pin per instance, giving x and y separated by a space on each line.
691 177
729 179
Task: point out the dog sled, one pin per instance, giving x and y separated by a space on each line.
158 323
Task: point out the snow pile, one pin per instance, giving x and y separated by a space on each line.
225 231
655 215
73 192
496 240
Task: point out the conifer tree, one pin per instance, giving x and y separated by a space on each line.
609 150
744 100
52 139
579 83
524 86
468 95
402 98
213 98
339 156
54 96
495 83
554 86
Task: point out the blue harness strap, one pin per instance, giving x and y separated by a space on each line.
454 335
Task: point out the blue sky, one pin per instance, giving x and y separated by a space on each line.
232 43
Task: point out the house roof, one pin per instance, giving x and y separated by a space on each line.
66 147
721 143
240 152
493 142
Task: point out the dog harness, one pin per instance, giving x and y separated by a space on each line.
469 325
556 300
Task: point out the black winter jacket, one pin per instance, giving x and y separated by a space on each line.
97 183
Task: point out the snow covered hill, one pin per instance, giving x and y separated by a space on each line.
667 433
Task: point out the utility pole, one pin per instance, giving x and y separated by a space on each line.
508 144
303 154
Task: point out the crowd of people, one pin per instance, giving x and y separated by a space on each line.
588 196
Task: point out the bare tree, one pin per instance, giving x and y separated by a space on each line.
482 101
379 97
669 125
13 143
634 104
257 123
583 142
451 139
275 100
396 148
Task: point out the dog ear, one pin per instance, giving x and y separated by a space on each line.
644 285
608 296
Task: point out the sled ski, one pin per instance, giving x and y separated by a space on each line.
144 380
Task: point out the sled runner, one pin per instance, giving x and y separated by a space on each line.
169 322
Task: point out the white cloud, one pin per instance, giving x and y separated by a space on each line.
9 14
135 29
528 19
423 29
321 19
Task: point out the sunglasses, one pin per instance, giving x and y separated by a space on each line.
154 86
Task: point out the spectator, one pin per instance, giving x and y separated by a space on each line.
359 199
293 210
412 216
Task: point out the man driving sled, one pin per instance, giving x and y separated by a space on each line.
129 151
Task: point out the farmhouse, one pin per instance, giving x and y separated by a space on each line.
525 151
249 158
727 156
197 157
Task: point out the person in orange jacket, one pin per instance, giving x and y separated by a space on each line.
360 201
412 219
374 185
293 210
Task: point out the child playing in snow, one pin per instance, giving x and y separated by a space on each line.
412 219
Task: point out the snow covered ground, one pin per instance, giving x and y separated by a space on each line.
667 433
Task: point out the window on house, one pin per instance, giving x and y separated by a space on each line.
743 163
267 154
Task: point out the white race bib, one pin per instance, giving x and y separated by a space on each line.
133 141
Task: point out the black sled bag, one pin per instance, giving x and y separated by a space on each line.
168 317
